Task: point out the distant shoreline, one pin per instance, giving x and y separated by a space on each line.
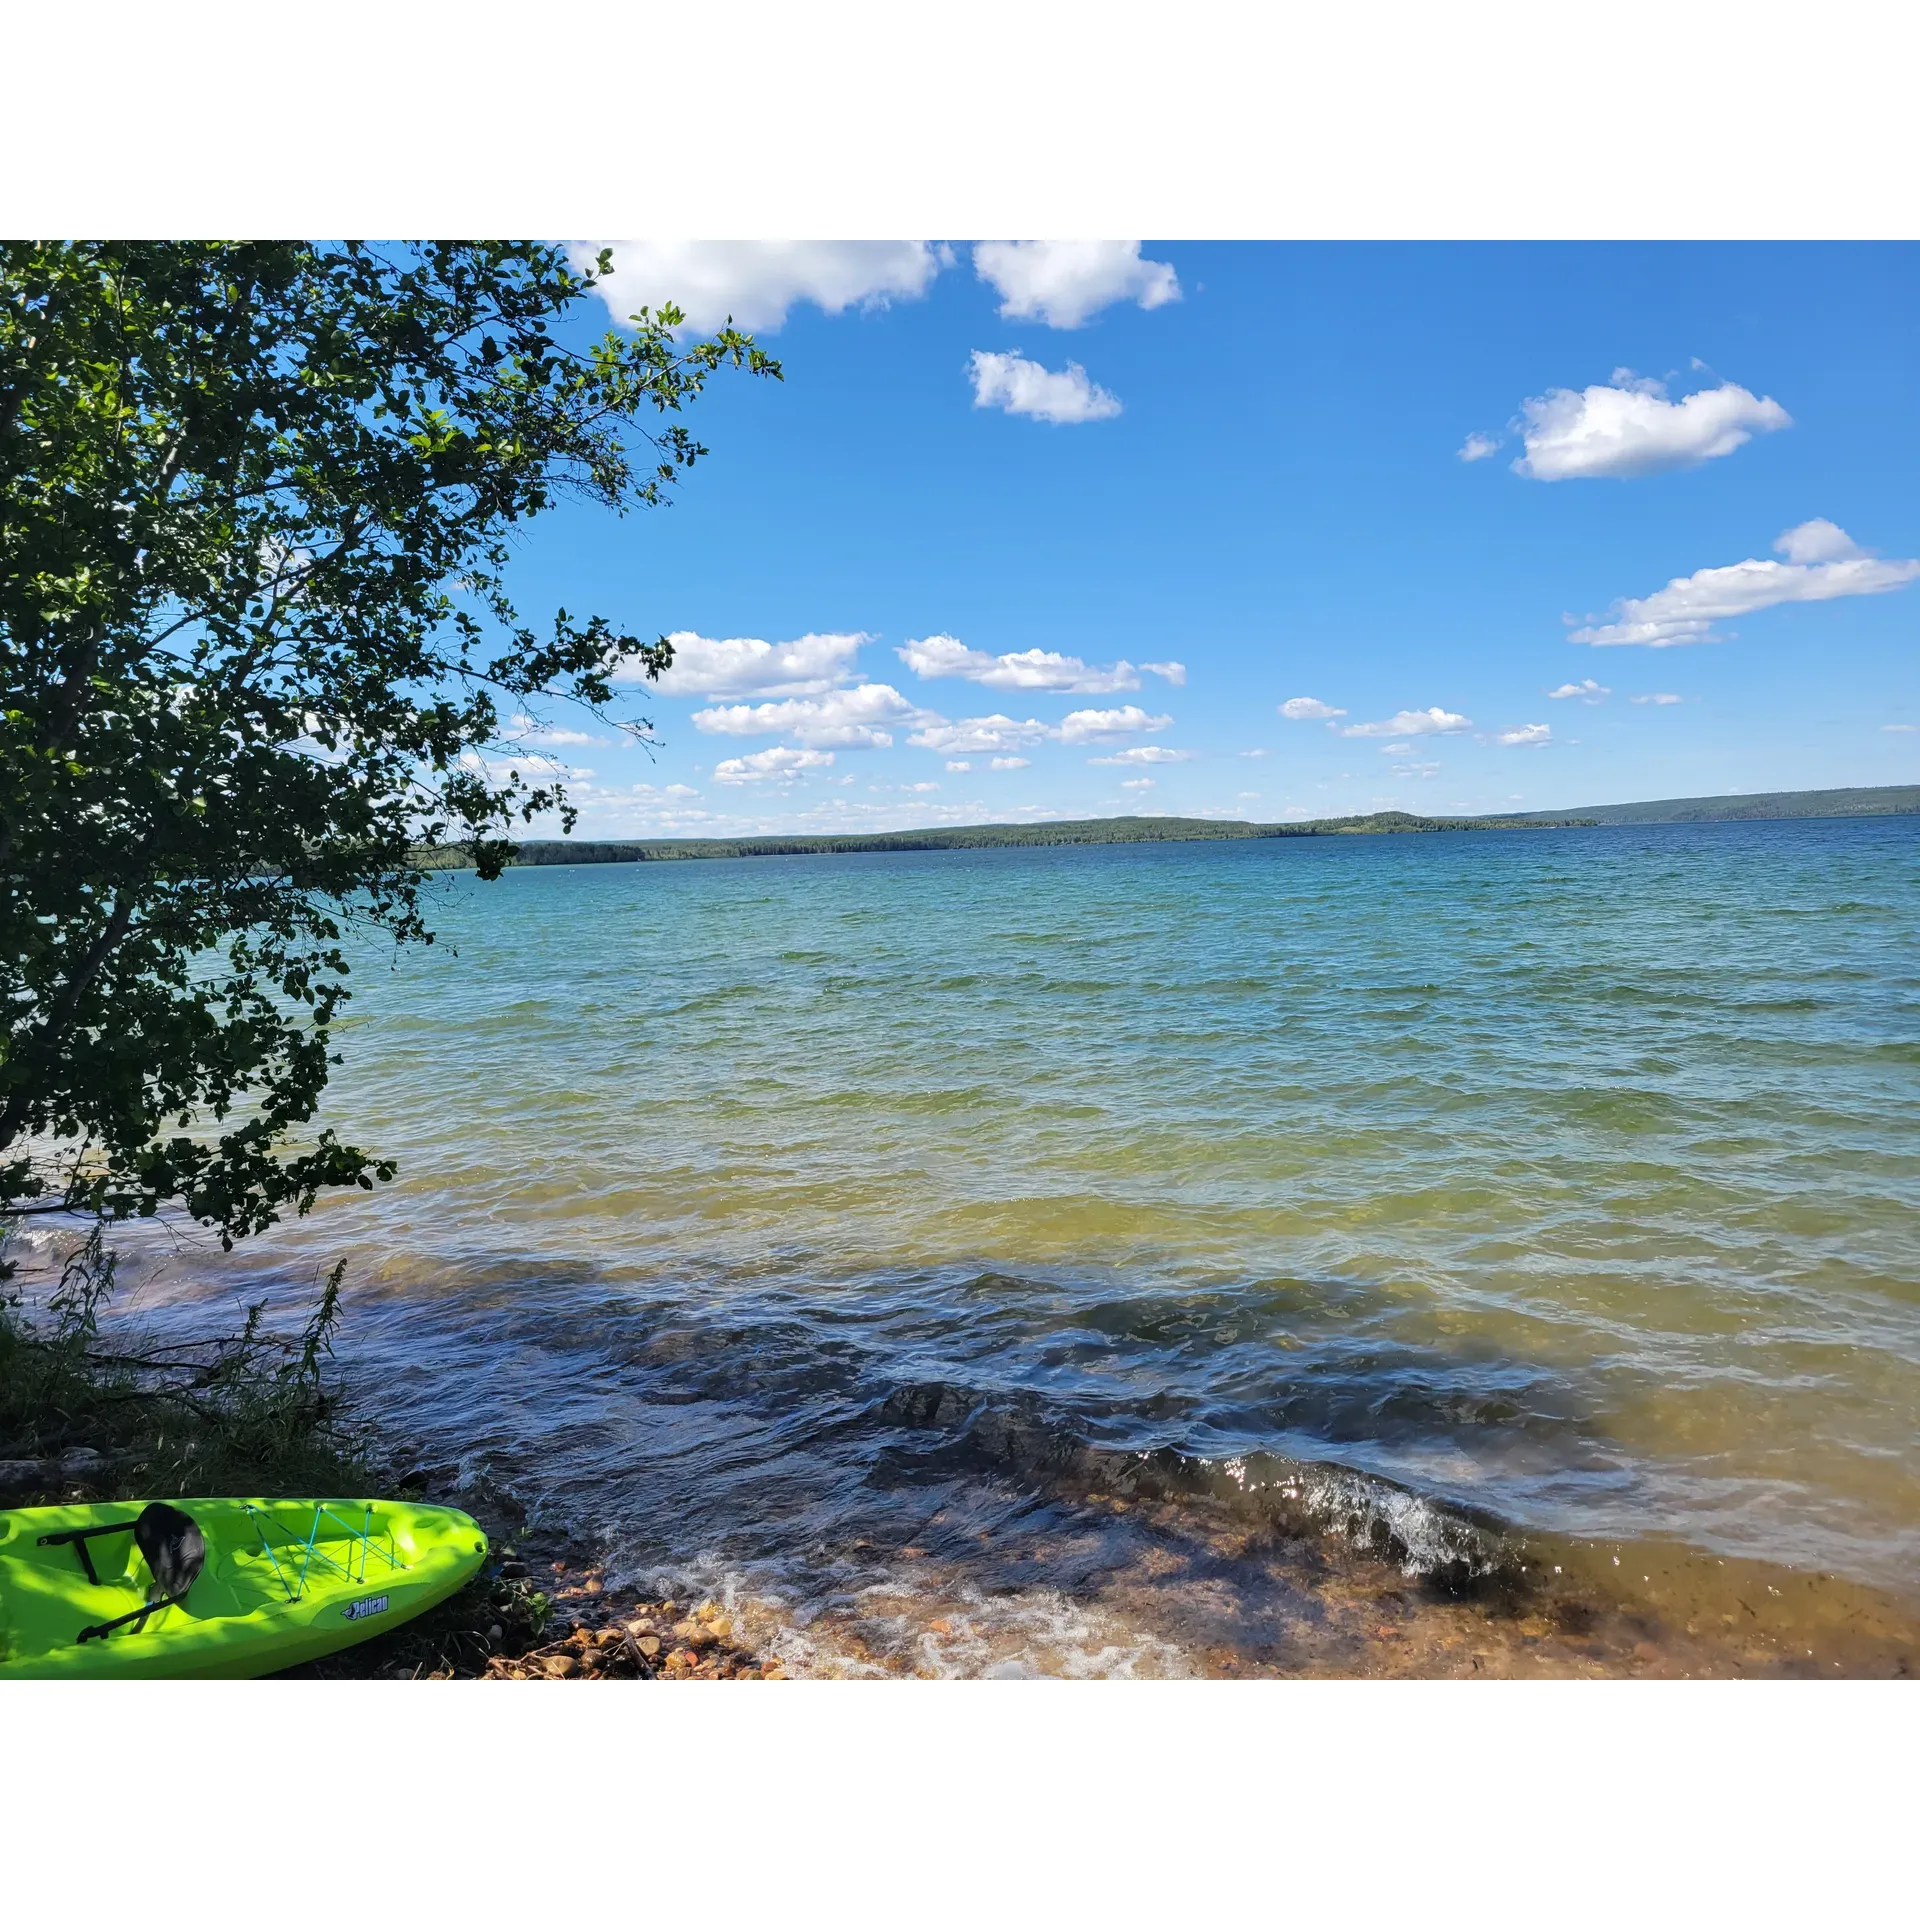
1830 803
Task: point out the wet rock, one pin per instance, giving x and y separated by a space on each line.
560 1666
650 1645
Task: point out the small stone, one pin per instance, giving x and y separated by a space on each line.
495 1634
694 1633
722 1627
594 1586
650 1645
608 1637
678 1661
561 1666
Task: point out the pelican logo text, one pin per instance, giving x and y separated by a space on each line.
360 1609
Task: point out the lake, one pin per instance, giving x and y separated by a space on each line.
1492 1251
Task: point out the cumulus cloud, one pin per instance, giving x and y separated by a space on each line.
1169 670
1588 692
1631 428
995 733
1102 723
852 717
991 733
1408 722
1141 757
1539 734
1304 708
1821 564
1014 385
530 732
1064 283
1479 446
1008 763
1654 699
712 669
959 766
756 282
942 657
774 763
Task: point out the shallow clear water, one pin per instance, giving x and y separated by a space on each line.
1572 1175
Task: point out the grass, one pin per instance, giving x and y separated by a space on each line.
250 1411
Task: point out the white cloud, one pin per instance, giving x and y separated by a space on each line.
1136 786
1899 726
942 657
1008 763
1101 723
1014 385
959 766
852 717
1822 564
1588 692
1409 722
712 669
1632 428
1653 699
1253 753
987 735
1539 734
1142 757
775 763
1304 708
528 731
1415 769
1479 446
679 792
1064 283
1246 796
1813 541
756 282
1169 670
995 733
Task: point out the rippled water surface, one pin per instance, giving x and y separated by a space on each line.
836 1223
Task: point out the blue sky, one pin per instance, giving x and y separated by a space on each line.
1256 485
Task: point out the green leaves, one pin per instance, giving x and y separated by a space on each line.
257 507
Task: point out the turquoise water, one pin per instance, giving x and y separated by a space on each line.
1572 1175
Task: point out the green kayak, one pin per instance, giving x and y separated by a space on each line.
217 1589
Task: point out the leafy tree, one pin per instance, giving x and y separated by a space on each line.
256 510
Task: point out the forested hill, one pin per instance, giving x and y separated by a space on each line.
1830 803
1833 803
1049 833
